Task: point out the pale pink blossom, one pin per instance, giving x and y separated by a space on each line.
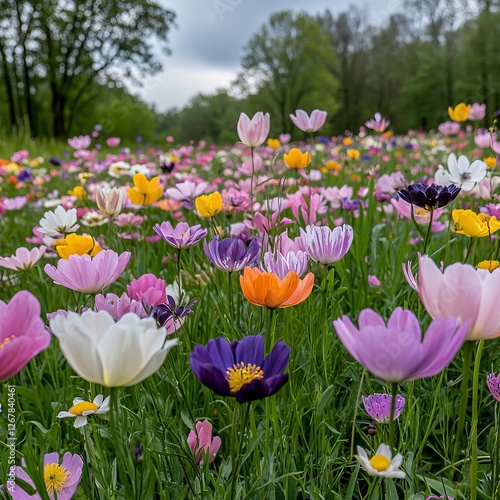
23 259
253 132
308 123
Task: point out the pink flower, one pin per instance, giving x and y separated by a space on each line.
422 216
148 288
373 280
377 123
309 124
19 156
477 111
80 142
201 443
118 306
113 141
16 203
461 292
23 259
128 219
482 138
22 333
449 128
495 145
89 274
284 138
253 132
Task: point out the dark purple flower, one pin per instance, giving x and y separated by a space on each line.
231 254
169 311
239 368
24 175
430 196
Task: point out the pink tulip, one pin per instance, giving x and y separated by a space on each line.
148 288
477 111
253 132
112 142
80 142
482 138
22 333
309 124
23 259
89 274
495 145
461 292
201 442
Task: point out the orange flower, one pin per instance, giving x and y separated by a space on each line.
267 290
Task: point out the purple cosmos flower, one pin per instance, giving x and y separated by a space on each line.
378 406
182 236
118 306
493 383
325 245
395 352
170 315
61 479
282 264
430 196
231 254
377 123
239 368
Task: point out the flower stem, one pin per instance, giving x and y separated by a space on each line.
464 389
429 227
234 473
251 178
391 416
353 428
475 420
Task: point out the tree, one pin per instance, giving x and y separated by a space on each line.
67 44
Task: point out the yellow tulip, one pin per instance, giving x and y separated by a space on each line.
474 225
208 205
78 191
491 161
74 244
460 112
297 159
353 154
274 143
144 192
333 165
346 141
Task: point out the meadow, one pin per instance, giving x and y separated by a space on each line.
314 320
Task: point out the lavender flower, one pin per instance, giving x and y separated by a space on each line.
493 383
282 264
325 245
378 406
231 254
182 236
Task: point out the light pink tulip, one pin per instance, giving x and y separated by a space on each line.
477 111
253 132
112 142
309 124
80 142
201 442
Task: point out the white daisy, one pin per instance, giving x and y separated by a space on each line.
81 409
462 173
381 464
58 223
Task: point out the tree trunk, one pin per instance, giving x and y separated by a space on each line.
58 108
8 88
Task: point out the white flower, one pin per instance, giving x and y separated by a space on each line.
111 354
81 409
58 223
381 464
461 172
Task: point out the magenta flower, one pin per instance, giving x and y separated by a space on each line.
118 306
477 111
22 333
182 236
60 479
461 291
148 288
378 406
378 123
202 444
89 274
395 352
112 142
253 132
493 383
309 124
23 259
325 245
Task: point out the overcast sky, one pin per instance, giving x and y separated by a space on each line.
208 43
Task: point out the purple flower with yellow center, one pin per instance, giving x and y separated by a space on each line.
429 196
182 236
239 369
493 383
378 406
231 254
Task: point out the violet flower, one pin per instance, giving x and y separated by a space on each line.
378 406
325 245
182 236
231 254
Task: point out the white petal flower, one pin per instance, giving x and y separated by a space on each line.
464 174
442 176
111 354
58 223
81 409
381 464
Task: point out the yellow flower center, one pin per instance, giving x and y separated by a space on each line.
490 265
79 408
380 462
55 478
6 341
241 374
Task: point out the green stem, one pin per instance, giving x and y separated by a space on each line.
464 389
475 420
234 473
270 329
251 178
353 428
391 416
429 227
468 250
230 294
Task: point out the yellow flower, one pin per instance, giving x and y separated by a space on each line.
208 205
346 141
353 154
474 225
74 244
489 265
274 143
333 165
460 112
13 168
297 159
491 161
144 192
78 191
